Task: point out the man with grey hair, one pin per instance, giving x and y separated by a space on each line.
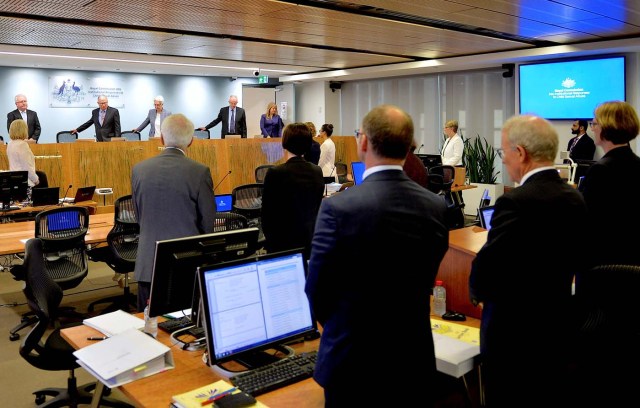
524 272
29 116
105 119
234 121
173 198
155 117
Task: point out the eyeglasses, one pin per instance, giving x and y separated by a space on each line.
593 124
500 153
358 133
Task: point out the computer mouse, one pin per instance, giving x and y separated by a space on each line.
455 316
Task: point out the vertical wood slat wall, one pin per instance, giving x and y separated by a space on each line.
109 164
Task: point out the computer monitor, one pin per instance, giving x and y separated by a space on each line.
173 285
13 187
430 160
223 202
254 304
357 169
484 215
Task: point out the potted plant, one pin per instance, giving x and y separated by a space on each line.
479 159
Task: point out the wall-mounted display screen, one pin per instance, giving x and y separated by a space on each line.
572 89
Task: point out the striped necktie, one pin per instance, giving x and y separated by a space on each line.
232 125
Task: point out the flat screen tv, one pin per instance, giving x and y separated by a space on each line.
254 304
570 89
176 262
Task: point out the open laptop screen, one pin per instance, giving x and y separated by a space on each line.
223 202
357 169
485 214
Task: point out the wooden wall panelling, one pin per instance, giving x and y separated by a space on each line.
54 159
346 150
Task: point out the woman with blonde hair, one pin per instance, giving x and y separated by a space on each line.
19 153
271 123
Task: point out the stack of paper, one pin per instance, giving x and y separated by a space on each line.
125 357
115 322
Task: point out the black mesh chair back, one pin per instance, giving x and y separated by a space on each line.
201 134
341 172
43 182
124 211
261 171
66 137
247 200
440 178
130 136
62 231
227 221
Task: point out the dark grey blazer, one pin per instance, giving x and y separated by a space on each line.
223 116
151 119
375 254
110 128
173 197
32 122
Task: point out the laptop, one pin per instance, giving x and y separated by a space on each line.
83 194
357 169
223 202
45 196
484 215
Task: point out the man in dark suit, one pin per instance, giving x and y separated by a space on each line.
365 308
173 198
105 119
155 117
292 194
31 117
524 272
234 121
581 146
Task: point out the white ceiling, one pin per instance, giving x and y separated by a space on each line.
307 40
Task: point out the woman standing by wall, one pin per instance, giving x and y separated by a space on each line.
271 124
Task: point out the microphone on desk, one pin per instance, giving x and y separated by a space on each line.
65 194
328 178
220 182
419 148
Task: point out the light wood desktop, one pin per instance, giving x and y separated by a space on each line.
455 268
13 235
91 206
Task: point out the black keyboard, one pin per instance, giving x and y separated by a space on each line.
171 325
278 374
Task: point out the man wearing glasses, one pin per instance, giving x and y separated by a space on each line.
105 119
29 116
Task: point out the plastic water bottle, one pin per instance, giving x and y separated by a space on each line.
150 323
439 299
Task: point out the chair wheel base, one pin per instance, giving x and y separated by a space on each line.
14 336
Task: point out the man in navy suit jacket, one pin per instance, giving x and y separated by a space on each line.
581 146
524 273
33 124
225 115
110 118
375 254
155 117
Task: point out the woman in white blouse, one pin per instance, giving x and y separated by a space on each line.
327 151
453 145
19 153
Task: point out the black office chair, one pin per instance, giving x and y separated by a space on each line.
201 134
227 221
440 180
120 254
62 231
43 182
66 137
261 171
130 136
247 200
51 352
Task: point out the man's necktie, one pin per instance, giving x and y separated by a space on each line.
232 125
102 117
574 143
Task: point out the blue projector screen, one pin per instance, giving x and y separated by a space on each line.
570 89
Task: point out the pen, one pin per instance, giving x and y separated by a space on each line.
97 338
214 398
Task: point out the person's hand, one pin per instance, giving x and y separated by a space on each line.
32 141
134 130
74 131
203 128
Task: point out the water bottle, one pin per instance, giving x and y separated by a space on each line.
150 323
439 299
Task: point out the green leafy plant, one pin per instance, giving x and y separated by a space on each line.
479 159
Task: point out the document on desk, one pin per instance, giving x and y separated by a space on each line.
114 322
125 357
201 396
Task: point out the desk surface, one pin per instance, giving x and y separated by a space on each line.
13 235
190 372
91 205
463 187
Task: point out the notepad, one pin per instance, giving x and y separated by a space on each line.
195 398
115 322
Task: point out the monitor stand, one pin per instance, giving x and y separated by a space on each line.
261 358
